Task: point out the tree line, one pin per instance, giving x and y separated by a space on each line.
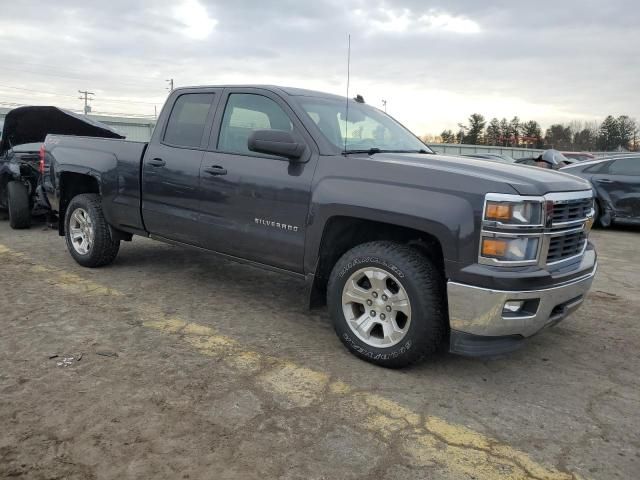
612 134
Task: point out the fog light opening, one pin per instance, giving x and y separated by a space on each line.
513 306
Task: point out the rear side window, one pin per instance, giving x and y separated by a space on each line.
628 166
187 120
244 113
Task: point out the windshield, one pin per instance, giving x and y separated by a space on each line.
366 128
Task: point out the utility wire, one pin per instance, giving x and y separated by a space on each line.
105 99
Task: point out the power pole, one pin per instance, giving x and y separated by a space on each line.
384 104
170 82
85 96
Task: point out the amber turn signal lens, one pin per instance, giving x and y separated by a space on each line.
498 211
494 248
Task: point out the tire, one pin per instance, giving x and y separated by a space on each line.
18 205
416 278
87 233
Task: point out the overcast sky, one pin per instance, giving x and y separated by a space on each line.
435 62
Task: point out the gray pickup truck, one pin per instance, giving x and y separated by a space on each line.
409 249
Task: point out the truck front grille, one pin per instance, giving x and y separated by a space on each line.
567 230
565 246
571 211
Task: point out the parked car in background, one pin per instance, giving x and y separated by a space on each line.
579 156
548 159
495 157
23 134
616 185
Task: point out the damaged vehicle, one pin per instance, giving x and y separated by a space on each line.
24 131
616 187
552 159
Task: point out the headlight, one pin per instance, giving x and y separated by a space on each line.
524 212
506 249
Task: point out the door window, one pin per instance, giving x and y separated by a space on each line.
187 120
628 166
245 113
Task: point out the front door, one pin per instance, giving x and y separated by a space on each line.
171 168
255 206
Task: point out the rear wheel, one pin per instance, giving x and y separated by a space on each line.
387 304
87 233
18 205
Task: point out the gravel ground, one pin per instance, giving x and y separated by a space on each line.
175 364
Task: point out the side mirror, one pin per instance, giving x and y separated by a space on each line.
276 142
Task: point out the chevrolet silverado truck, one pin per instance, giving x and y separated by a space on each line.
410 250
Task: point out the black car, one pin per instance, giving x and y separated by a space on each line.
616 184
24 131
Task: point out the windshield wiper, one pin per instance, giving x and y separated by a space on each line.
374 150
369 151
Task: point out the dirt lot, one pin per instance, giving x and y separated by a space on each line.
174 364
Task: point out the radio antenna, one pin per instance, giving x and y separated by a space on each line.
346 118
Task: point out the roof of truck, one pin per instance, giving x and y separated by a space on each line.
292 91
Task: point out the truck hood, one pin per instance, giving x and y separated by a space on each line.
33 124
524 179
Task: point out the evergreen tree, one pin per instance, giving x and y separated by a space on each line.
627 130
505 132
559 136
609 134
514 131
447 136
532 130
474 130
493 132
585 139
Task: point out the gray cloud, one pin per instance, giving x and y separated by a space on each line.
576 56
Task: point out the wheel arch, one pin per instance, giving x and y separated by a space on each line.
73 184
341 233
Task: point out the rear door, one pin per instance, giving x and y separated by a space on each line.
255 206
171 167
621 181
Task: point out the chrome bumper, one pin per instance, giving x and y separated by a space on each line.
479 311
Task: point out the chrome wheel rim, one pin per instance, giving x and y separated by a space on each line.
81 231
376 307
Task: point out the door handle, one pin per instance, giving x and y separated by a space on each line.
157 162
605 180
216 170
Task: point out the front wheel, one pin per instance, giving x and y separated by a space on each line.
18 205
87 233
387 303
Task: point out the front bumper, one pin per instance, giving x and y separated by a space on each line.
478 313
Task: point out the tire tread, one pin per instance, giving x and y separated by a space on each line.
426 277
105 248
18 205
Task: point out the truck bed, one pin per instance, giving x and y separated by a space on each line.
114 163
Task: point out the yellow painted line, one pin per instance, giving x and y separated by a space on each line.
67 281
423 441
